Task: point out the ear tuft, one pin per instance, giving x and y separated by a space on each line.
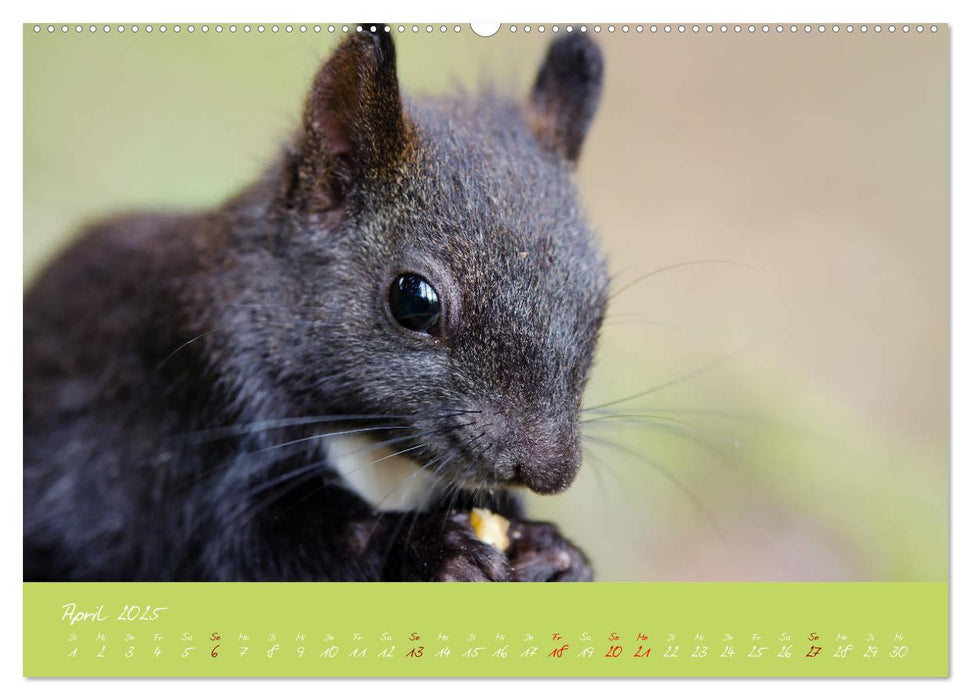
354 122
566 94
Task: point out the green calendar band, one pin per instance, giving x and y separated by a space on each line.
600 629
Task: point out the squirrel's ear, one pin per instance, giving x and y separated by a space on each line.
354 122
566 93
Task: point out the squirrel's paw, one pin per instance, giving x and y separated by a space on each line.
538 552
464 557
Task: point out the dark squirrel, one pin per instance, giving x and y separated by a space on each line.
418 273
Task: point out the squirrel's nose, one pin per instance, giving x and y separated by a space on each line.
549 464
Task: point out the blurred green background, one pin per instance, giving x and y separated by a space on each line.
796 425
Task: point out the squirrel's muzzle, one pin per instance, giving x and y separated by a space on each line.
548 463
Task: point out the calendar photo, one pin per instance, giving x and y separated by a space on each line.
596 315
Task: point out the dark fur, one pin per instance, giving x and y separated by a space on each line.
152 331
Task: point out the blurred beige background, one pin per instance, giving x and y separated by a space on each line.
813 168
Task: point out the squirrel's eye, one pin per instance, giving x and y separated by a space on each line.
414 303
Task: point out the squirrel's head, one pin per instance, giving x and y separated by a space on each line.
445 273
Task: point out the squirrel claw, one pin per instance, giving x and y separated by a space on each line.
540 553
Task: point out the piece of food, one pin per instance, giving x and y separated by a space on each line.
490 528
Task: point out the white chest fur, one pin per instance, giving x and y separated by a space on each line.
386 482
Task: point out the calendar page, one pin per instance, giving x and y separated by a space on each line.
486 350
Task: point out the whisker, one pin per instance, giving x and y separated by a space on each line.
675 266
395 454
626 489
630 418
402 517
438 475
309 471
688 436
322 436
339 479
692 497
228 327
615 318
248 511
235 459
714 364
366 448
265 425
705 412
685 431
456 490
187 344
404 483
597 464
414 521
